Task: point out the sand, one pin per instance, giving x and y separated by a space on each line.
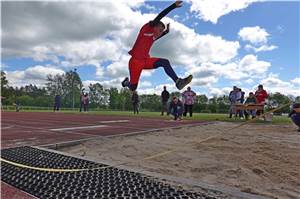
260 159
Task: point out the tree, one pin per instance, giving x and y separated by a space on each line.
98 95
276 100
55 84
125 99
201 99
150 102
72 87
4 84
67 85
113 98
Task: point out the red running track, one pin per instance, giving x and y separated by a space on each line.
40 128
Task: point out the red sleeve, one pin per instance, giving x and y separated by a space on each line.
265 94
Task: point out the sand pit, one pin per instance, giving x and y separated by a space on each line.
260 159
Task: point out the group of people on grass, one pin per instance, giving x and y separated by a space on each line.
176 107
237 97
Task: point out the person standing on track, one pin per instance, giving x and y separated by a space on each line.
165 95
57 103
135 102
140 58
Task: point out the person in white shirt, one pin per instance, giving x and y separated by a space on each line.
189 97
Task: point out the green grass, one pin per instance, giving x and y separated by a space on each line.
196 116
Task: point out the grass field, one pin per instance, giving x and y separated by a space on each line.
196 116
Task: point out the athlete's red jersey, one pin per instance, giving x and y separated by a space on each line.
143 42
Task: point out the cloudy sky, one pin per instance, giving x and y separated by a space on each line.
221 42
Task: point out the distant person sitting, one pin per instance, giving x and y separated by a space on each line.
261 96
57 102
250 100
135 102
165 95
189 98
176 108
295 114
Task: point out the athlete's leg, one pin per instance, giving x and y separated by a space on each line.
135 69
167 67
153 62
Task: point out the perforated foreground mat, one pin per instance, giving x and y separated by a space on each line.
98 183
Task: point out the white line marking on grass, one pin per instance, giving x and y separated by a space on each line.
79 127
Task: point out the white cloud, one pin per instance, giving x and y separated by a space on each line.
118 68
186 47
274 84
251 65
247 68
209 10
76 30
255 35
296 81
144 84
33 75
261 48
218 91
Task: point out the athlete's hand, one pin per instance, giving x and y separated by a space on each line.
168 27
178 4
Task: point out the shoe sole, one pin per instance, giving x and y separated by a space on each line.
189 79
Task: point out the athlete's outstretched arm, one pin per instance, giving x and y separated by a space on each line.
165 32
163 13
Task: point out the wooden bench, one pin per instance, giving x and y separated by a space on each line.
249 106
266 117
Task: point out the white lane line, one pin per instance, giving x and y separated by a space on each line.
113 121
7 127
79 127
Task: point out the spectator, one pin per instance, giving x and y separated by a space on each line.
176 108
165 95
81 100
261 96
57 103
295 114
240 100
233 98
189 98
135 102
250 100
85 102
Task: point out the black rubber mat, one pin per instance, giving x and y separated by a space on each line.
101 183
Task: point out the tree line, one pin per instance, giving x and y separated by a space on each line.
69 86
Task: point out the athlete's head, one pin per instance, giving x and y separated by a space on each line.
159 29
